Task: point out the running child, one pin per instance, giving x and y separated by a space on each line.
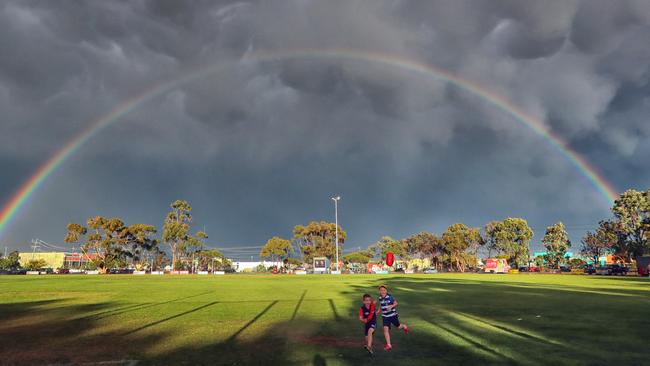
389 316
368 317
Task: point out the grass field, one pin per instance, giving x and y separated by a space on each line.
239 320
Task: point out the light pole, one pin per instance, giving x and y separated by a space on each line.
336 222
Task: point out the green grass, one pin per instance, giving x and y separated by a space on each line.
456 319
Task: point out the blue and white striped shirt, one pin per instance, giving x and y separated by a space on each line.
385 302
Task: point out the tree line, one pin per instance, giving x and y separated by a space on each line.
110 242
625 235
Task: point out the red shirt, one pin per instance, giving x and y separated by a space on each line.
368 314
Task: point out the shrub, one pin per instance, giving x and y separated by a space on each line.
260 268
36 264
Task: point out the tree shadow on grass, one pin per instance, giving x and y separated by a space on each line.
140 306
58 336
44 332
454 322
521 322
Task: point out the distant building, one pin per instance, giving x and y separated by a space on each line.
251 266
567 255
57 259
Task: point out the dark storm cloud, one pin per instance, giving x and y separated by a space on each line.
261 145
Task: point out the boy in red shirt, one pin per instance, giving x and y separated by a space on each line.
368 316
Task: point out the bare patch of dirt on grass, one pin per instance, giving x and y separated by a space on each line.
329 341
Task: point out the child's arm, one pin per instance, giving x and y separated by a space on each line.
374 303
371 313
363 320
394 304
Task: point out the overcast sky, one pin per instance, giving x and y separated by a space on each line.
262 145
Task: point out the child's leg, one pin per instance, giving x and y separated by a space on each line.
371 331
387 335
404 327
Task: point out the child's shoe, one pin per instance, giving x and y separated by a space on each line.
370 352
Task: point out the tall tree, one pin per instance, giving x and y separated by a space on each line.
194 245
632 213
420 245
176 231
140 243
556 241
105 238
599 243
458 239
492 230
211 259
276 248
510 238
316 239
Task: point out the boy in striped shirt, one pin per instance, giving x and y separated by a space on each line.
389 316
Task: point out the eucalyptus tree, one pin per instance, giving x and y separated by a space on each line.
316 239
557 243
106 240
176 231
459 243
632 224
276 248
510 238
599 243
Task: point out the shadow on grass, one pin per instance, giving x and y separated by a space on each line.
513 321
149 325
138 306
44 332
454 322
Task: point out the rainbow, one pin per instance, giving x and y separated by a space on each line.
20 198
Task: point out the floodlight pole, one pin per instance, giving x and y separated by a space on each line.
336 222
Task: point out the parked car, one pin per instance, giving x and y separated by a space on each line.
399 270
565 269
617 270
13 271
429 270
529 269
603 271
589 269
63 271
120 271
612 270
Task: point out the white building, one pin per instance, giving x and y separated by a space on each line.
251 266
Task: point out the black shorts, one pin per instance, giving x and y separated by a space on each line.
393 320
368 326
